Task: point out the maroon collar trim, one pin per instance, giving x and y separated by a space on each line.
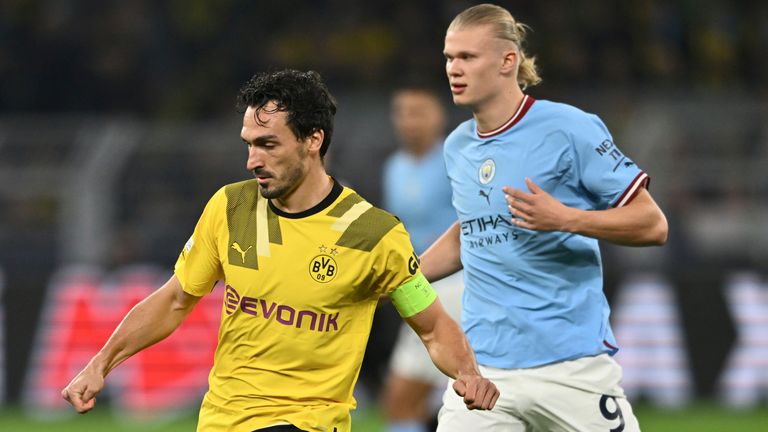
525 105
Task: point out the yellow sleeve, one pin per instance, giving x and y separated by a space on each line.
401 277
199 265
396 261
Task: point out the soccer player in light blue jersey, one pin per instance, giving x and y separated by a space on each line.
415 184
417 191
535 185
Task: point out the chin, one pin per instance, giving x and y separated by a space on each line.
270 193
461 100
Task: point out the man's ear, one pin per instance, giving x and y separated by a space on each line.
509 61
315 140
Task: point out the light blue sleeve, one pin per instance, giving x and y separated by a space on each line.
609 175
389 185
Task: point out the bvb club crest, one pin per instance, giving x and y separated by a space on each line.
323 267
487 171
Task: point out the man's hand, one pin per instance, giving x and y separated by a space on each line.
82 390
537 210
478 392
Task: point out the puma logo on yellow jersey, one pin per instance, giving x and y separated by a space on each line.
240 250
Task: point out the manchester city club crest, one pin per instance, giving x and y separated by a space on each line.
487 171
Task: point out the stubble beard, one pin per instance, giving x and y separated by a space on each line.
290 181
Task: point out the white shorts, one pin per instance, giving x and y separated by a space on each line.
409 356
577 395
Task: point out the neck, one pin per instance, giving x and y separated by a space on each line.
496 111
312 189
420 150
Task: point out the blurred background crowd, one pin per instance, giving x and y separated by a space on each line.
117 122
184 59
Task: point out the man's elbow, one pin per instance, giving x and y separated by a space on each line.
659 233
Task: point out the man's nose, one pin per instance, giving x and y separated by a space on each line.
452 68
255 159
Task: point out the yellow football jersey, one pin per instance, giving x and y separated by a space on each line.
301 290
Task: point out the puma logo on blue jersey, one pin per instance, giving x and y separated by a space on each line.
486 195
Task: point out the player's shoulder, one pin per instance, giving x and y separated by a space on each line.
364 225
239 193
394 161
245 185
231 193
350 198
560 111
557 116
464 130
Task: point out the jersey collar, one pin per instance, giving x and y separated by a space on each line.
516 117
322 205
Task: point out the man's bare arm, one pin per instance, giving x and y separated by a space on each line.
149 322
451 353
443 257
639 223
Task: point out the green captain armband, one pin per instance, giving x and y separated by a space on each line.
413 297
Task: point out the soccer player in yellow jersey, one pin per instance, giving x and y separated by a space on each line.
304 261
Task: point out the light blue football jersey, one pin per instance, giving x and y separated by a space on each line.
533 298
417 191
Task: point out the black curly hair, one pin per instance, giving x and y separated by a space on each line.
301 95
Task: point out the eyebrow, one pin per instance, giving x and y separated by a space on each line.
461 52
260 139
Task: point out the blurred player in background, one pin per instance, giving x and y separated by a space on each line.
305 261
417 191
535 185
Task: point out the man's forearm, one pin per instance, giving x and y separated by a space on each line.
447 346
451 352
443 257
640 223
147 323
